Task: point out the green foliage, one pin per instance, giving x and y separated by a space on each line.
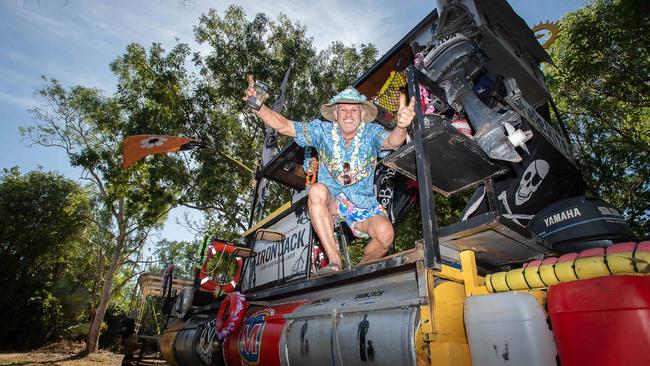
601 86
128 204
160 96
266 48
111 328
44 232
222 268
153 316
182 254
90 128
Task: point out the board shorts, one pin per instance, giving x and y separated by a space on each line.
347 212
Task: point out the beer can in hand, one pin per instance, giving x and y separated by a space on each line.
261 94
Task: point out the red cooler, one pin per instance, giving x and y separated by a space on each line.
602 321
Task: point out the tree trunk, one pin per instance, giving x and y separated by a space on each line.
92 342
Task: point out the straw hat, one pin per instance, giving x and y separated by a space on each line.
349 96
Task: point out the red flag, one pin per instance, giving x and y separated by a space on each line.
137 147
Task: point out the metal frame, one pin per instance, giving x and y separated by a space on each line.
432 258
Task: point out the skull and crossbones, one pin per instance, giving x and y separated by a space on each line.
531 180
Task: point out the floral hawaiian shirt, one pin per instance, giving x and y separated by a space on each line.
349 171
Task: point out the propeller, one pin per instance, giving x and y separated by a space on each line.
517 137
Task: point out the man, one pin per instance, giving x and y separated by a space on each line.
348 149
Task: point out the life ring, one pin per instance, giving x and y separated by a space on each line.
235 305
210 284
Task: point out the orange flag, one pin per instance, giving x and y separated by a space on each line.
137 147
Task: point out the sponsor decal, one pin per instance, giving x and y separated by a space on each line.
366 295
562 216
292 242
250 337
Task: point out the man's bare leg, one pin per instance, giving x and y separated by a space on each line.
320 210
381 235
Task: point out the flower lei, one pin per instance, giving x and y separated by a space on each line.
231 325
337 160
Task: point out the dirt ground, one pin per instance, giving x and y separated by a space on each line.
64 353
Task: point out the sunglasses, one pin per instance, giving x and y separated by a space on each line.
347 179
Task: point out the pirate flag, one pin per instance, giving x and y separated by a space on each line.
543 177
137 147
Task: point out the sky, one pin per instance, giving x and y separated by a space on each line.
74 41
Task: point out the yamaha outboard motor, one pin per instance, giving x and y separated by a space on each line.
578 223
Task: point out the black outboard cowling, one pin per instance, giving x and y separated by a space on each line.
578 223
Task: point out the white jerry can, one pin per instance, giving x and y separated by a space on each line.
508 329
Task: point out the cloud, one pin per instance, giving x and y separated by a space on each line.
325 21
351 22
15 80
18 101
56 27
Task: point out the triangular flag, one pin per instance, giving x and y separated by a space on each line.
137 147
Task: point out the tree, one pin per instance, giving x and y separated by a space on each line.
89 128
208 106
601 83
266 48
44 232
182 254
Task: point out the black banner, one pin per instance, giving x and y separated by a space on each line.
395 192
